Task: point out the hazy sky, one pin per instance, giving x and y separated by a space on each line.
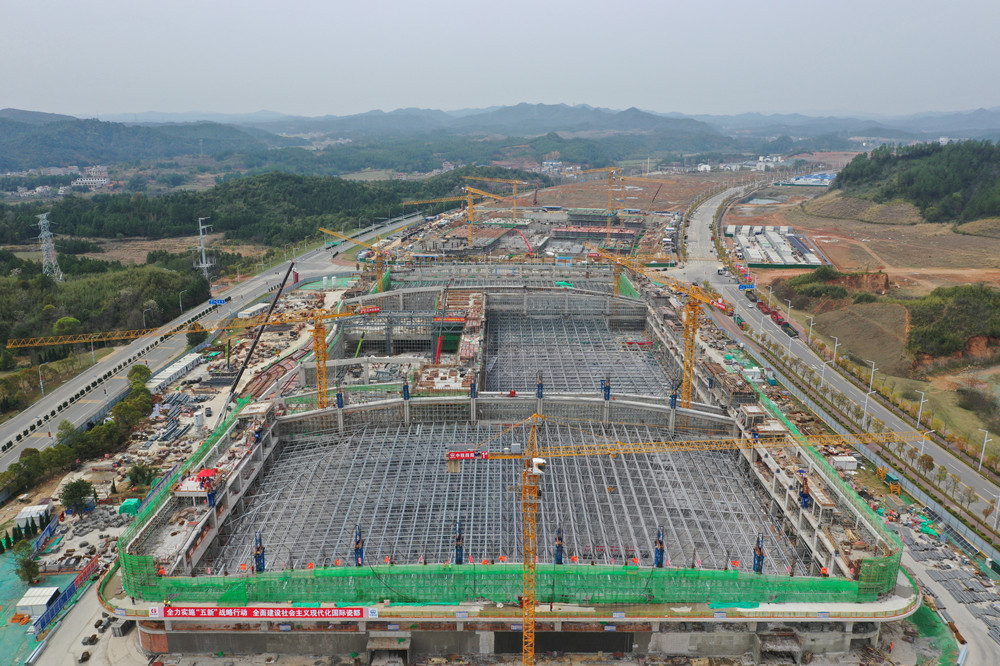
336 57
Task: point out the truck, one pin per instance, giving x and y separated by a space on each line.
776 316
789 330
739 322
751 295
762 306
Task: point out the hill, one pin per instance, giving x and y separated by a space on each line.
30 140
518 120
270 208
956 182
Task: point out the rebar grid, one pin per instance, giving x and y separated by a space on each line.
394 482
574 353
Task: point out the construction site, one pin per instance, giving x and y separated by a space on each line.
471 449
506 459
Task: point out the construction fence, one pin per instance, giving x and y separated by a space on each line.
160 494
495 583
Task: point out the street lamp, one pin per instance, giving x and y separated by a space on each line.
920 410
924 441
871 383
180 302
809 338
836 344
986 434
41 382
144 316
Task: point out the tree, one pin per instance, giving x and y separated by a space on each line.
126 414
197 336
926 463
953 481
139 374
969 496
76 495
114 488
27 568
941 474
141 474
990 507
66 326
912 453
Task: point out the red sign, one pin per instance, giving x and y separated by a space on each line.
594 254
370 309
468 455
276 613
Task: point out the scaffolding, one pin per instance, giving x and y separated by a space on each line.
395 484
574 354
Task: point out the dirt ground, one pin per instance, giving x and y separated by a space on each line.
134 250
917 257
675 192
876 331
834 159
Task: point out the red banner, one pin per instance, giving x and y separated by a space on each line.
468 455
276 613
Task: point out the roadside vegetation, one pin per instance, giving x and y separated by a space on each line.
73 446
957 182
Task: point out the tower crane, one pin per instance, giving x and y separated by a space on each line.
509 181
470 200
318 319
696 297
534 459
379 255
612 172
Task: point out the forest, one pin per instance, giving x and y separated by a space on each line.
944 320
272 208
956 182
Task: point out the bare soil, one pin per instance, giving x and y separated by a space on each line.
134 250
917 257
676 192
835 205
871 331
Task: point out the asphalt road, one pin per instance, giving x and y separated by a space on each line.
157 355
703 265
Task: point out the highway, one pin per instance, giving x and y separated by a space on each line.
702 265
157 355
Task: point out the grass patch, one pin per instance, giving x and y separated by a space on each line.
871 331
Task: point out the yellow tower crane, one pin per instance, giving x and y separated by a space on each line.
316 317
696 297
515 183
470 200
612 173
535 458
379 255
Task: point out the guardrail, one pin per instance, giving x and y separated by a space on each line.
911 488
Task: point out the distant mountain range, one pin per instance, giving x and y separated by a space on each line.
525 119
33 139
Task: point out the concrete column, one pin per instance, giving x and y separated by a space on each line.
487 642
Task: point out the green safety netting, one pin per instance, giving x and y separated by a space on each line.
877 574
498 583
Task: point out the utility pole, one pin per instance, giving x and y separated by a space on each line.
205 263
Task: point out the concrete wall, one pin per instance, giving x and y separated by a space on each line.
257 642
